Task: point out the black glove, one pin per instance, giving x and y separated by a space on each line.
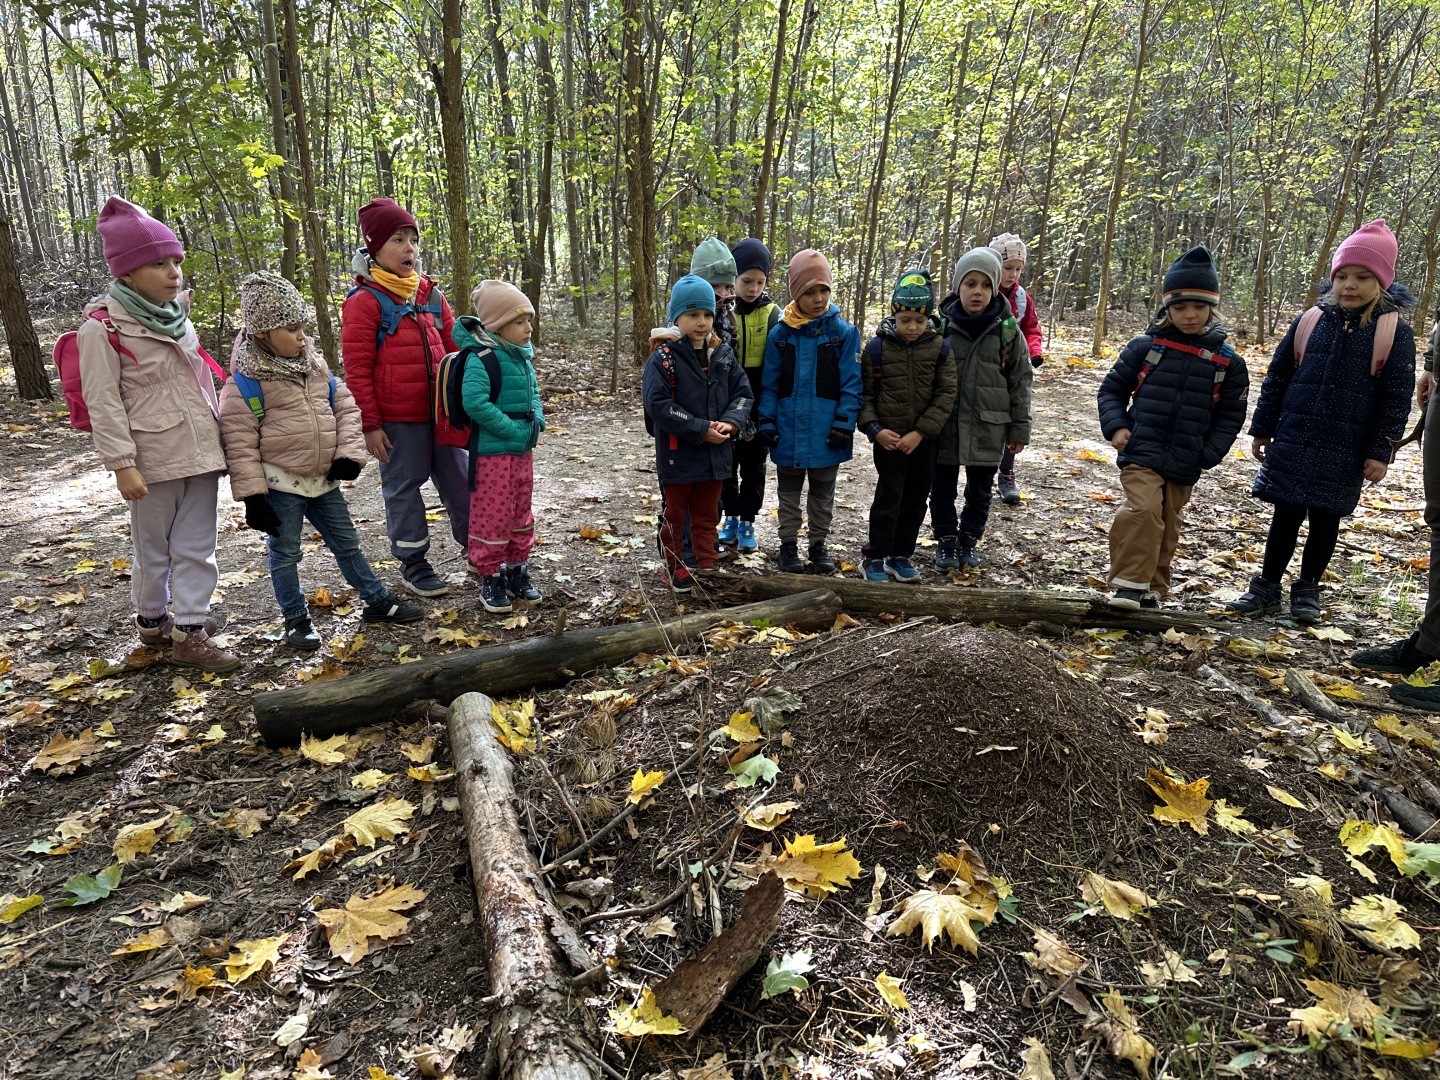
768 437
343 469
261 516
1036 361
840 438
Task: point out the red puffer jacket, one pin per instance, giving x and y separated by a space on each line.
393 385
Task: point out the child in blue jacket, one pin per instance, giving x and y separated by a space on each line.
810 398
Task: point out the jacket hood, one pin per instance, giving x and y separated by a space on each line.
742 308
469 333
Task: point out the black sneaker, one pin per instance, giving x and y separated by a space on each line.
1150 601
420 578
1305 602
681 580
517 583
789 557
966 554
300 633
493 594
1398 658
945 555
1127 599
820 560
390 608
1417 697
1261 598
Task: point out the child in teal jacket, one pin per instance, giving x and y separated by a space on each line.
502 524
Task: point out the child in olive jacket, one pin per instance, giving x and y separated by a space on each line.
909 392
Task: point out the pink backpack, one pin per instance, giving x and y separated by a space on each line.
1384 337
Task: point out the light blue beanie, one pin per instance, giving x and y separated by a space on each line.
691 293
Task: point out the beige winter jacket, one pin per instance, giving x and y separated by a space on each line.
300 435
155 413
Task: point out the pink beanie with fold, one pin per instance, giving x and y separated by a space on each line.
498 303
1371 246
131 238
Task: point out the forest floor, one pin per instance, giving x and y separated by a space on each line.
1004 772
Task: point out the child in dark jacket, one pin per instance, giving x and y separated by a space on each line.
1325 426
1172 406
713 264
1013 256
909 392
697 400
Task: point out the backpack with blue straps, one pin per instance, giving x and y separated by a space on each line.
254 395
391 313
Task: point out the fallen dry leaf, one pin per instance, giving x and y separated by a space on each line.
366 920
383 820
816 869
1121 1032
62 755
1185 804
1053 956
252 957
1119 898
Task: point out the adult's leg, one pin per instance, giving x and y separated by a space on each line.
450 472
1280 541
331 518
284 553
193 573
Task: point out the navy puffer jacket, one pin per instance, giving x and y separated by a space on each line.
1327 417
1177 426
681 413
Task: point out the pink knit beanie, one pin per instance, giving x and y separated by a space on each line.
131 237
382 218
498 302
1371 246
807 269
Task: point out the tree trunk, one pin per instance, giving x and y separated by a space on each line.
510 143
153 163
22 177
275 92
639 175
957 110
533 275
32 380
575 234
449 87
324 708
767 154
538 1029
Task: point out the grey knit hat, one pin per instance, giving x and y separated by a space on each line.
980 258
267 300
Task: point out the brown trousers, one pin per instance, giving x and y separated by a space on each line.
1146 530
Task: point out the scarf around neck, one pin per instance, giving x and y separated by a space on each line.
403 287
169 318
254 358
792 316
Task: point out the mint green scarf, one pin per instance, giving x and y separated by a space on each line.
168 319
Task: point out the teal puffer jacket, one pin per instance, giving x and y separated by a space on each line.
511 424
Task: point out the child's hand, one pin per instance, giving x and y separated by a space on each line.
1258 445
378 444
1424 386
717 433
888 440
1015 447
131 484
1375 470
1120 439
908 443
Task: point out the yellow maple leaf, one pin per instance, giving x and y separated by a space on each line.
1378 918
741 728
1335 1006
1121 1031
370 779
1404 1047
1185 804
149 941
366 920
327 853
1228 818
1053 956
331 751
769 816
309 1066
432 773
644 1018
1280 795
420 753
192 980
817 869
252 957
383 820
1091 455
643 783
515 721
1119 898
1393 726
890 990
347 650
1358 837
245 821
62 755
139 839
935 913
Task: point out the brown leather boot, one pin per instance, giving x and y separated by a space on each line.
159 637
197 650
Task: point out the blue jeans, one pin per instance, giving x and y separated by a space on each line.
331 518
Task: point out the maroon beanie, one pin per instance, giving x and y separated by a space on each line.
1372 246
382 218
131 237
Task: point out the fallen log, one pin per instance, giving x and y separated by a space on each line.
345 704
1007 607
537 1031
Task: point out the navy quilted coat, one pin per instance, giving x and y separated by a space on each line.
1177 427
1329 415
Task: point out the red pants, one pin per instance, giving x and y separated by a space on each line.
703 503
502 526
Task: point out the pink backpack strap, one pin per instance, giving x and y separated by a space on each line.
220 372
1384 340
1303 329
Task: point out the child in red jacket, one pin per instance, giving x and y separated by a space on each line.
395 329
1013 255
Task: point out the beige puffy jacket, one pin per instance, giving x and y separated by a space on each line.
301 433
155 413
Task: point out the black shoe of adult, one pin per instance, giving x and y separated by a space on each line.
1417 697
1397 658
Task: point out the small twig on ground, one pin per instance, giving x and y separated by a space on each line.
679 891
564 799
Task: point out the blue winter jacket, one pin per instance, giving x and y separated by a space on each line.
1329 415
680 413
1178 426
811 383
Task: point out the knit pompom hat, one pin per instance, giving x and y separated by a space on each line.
807 269
691 293
752 254
267 300
1192 276
981 259
1009 246
914 291
131 238
382 218
498 302
1371 246
713 263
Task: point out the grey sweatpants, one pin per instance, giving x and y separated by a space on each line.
172 534
414 458
819 506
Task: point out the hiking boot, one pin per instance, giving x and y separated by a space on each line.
729 531
945 557
1305 602
493 594
965 553
1417 697
681 580
689 560
1009 493
195 649
1150 601
789 558
420 578
745 537
1127 599
1261 598
300 633
875 570
517 581
1398 658
390 608
901 569
820 560
158 637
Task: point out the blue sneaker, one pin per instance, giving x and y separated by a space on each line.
875 570
899 568
728 529
745 536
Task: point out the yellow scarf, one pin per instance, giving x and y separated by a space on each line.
792 316
403 287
